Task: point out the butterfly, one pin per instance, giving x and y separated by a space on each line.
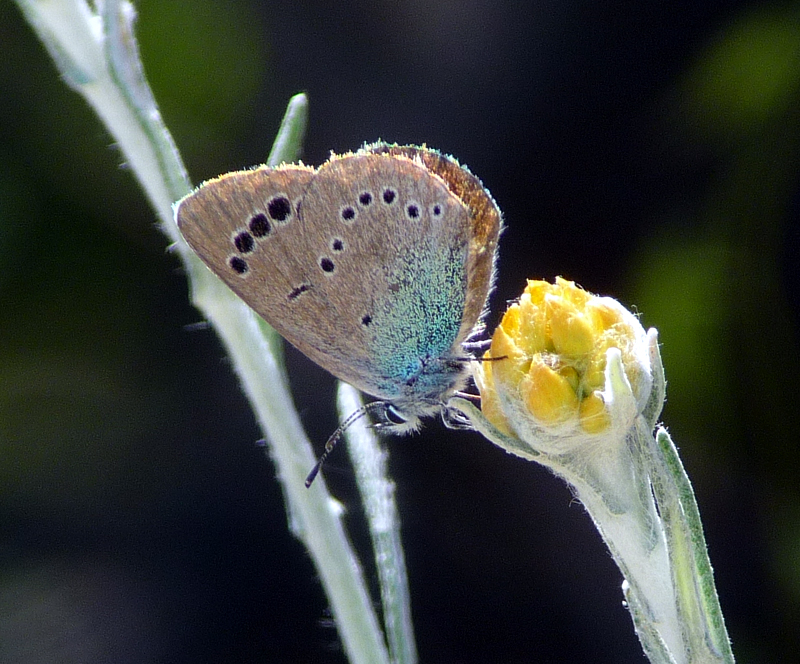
377 265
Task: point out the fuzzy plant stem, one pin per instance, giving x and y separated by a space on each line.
377 495
97 56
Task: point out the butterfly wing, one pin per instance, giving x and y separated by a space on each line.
367 266
485 223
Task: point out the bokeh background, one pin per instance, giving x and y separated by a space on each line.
648 151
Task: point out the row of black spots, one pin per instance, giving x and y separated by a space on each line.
245 243
348 213
413 211
389 196
257 229
325 264
259 226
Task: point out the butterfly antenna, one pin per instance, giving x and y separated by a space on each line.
336 435
467 360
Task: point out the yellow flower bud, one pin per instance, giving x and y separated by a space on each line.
550 375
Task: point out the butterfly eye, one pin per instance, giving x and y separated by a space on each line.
327 265
348 214
412 211
365 198
394 416
389 195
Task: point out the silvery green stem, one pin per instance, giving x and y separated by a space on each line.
97 55
635 536
693 576
377 494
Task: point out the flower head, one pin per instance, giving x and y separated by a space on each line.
566 365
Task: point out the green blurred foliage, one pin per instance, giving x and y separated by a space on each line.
748 75
715 288
182 43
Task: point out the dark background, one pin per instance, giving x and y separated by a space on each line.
648 151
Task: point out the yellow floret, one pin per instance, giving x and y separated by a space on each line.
593 416
548 395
